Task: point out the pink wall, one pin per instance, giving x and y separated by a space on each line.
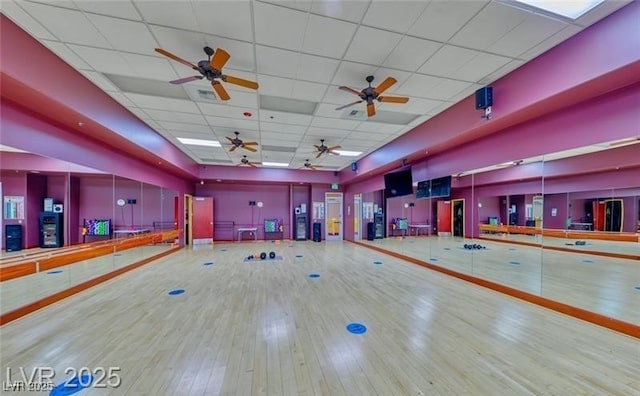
560 204
36 192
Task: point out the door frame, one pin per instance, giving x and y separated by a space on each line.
188 216
328 196
453 216
357 217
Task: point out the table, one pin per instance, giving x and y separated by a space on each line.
131 231
247 229
419 226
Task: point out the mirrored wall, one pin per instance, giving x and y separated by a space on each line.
541 226
76 225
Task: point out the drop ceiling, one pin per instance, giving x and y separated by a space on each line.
298 51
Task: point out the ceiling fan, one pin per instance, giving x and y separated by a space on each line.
237 142
309 165
210 69
369 94
245 161
322 149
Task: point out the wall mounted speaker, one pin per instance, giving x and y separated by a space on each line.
354 166
58 208
484 98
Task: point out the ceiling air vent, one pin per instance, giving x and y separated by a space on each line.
207 95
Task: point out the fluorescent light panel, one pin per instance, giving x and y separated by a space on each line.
347 153
283 164
573 9
200 142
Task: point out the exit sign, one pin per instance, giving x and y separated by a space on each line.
334 186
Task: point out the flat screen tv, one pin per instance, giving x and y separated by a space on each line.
98 227
398 184
424 189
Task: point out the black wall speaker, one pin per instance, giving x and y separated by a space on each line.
354 166
371 231
484 98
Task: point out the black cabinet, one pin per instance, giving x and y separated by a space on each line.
51 230
301 227
378 220
371 231
317 232
13 237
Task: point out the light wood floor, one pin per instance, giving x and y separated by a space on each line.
266 328
599 284
630 248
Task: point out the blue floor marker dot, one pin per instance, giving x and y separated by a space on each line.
587 261
54 272
637 287
223 250
208 263
117 254
513 249
314 275
447 248
356 328
514 262
290 245
433 259
299 256
71 386
377 262
176 292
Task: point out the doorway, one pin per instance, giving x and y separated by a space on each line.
613 215
188 215
333 216
457 217
357 217
443 213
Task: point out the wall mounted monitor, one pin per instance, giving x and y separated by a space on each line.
398 184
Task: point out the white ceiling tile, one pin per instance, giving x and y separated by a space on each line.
371 46
442 19
322 122
418 106
149 67
184 44
382 73
285 118
122 99
327 37
180 127
346 10
301 5
504 70
411 53
241 53
531 32
447 89
285 139
468 91
551 42
247 98
169 13
328 110
187 118
67 25
367 136
325 133
418 121
25 21
232 123
296 130
275 86
124 35
140 113
276 62
100 81
448 58
353 75
316 69
221 110
419 85
279 26
66 54
337 96
304 90
124 8
156 102
489 25
480 66
378 127
276 156
397 16
225 18
103 60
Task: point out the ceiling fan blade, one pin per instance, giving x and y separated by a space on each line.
220 58
348 105
249 148
222 93
318 147
250 143
176 58
240 81
371 109
393 99
319 154
334 148
186 79
230 139
251 164
233 148
350 90
383 86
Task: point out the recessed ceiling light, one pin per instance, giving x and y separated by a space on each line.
573 9
348 153
200 142
283 164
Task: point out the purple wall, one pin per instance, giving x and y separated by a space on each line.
560 203
36 192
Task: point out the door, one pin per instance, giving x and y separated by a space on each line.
357 217
444 217
598 216
333 216
202 220
458 217
188 215
613 215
